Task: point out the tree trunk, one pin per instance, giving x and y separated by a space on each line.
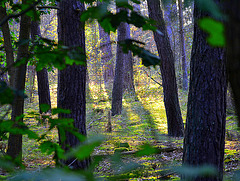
72 80
128 66
174 118
42 76
233 44
182 47
15 140
206 115
8 46
117 91
106 55
31 77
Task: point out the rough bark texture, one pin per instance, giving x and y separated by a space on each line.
42 76
106 56
182 47
174 118
128 66
8 46
233 44
72 80
117 91
206 115
15 140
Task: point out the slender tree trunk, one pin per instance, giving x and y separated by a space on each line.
31 77
206 115
8 46
182 45
72 80
128 66
15 140
42 75
174 118
117 91
106 55
233 44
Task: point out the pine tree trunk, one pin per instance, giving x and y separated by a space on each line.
15 140
174 118
8 46
117 92
206 114
106 55
42 75
233 44
72 80
128 66
182 45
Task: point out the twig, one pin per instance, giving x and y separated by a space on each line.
152 78
4 20
89 125
47 7
72 162
158 151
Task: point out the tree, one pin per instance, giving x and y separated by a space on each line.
106 56
42 75
15 140
128 66
232 44
206 114
72 80
8 46
117 91
174 118
182 45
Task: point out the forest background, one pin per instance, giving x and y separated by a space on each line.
140 109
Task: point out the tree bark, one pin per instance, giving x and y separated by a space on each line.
15 140
106 55
182 47
171 102
233 44
8 46
42 75
117 91
128 66
206 114
72 80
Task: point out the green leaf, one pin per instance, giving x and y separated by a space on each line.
190 171
6 94
45 107
215 29
60 110
211 7
85 149
146 150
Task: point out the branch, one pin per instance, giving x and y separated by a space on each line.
158 151
4 20
152 78
47 7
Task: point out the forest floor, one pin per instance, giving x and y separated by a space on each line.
142 125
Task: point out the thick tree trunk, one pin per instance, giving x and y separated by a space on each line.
72 80
15 140
182 47
233 44
206 115
42 76
8 46
174 118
